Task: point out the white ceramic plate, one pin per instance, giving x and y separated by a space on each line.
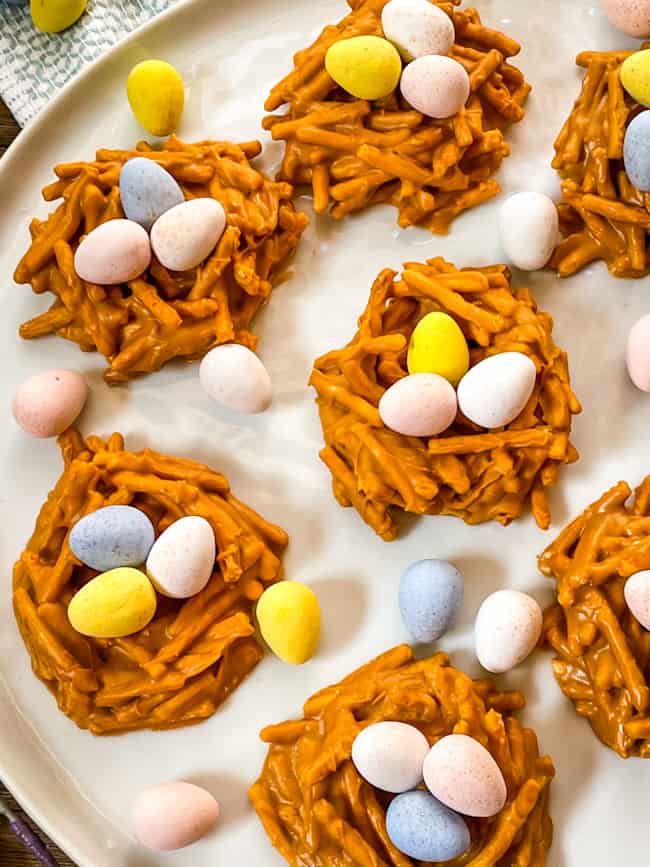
80 788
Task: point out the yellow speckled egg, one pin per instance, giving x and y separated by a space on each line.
52 16
288 615
368 67
114 604
156 95
635 76
438 346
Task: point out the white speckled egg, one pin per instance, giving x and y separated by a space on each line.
389 755
234 376
114 252
419 405
529 226
630 16
186 234
47 403
181 561
172 815
507 628
637 354
461 773
637 596
496 390
417 28
437 86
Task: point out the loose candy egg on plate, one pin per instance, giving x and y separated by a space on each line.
635 76
636 151
181 561
461 773
423 828
47 403
186 234
496 390
147 191
111 537
114 252
389 755
114 604
234 376
417 28
288 615
172 815
437 86
367 67
419 405
529 227
53 16
156 95
630 16
637 596
438 345
637 354
430 596
507 628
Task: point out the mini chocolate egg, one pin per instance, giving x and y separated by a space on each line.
417 27
630 16
423 828
147 191
419 405
156 94
367 67
437 86
437 345
53 16
233 375
461 773
637 596
289 618
636 151
112 536
172 815
114 252
506 631
47 403
637 354
529 227
181 561
114 604
389 755
635 76
496 390
430 596
186 234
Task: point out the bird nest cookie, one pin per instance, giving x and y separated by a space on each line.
356 153
602 658
318 810
195 652
603 216
467 471
142 324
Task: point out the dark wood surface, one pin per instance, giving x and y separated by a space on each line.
12 854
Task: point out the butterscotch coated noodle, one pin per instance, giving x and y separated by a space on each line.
602 215
467 472
354 153
602 658
196 651
319 812
162 315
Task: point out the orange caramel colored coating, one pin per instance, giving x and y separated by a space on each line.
319 812
602 660
602 215
162 315
195 652
467 472
356 153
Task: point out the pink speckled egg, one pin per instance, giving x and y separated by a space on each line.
47 403
419 405
637 596
461 773
630 16
173 815
115 252
637 353
435 85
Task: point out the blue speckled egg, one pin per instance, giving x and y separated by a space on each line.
636 151
430 595
111 537
147 191
423 828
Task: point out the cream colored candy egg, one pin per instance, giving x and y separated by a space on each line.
637 596
507 628
389 755
367 67
233 375
47 403
288 615
437 86
419 405
637 354
529 227
438 345
181 561
172 815
496 390
417 28
186 234
114 252
114 604
630 16
156 95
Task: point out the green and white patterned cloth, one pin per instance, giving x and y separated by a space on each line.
33 65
